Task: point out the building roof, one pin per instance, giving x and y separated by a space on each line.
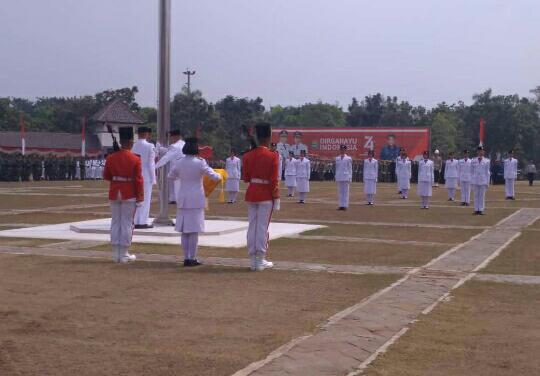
118 111
48 140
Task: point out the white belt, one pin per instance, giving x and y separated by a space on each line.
121 178
259 181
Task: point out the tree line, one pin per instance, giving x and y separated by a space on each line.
512 121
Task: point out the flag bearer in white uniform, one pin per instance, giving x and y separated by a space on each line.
303 173
426 179
510 175
146 151
173 152
290 174
123 171
191 200
343 177
403 174
371 173
233 166
465 178
451 176
480 175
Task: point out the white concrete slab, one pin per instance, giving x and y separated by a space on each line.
162 235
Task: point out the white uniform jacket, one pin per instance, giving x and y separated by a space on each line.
425 171
403 169
480 171
371 169
174 151
451 169
190 171
343 168
303 168
147 153
465 169
233 166
290 167
510 168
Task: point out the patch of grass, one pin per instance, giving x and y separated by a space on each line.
48 218
487 329
26 242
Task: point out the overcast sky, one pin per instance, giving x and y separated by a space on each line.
286 51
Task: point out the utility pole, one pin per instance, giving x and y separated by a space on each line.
189 73
164 103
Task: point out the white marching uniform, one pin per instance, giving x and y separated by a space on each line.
451 176
290 175
303 173
173 152
371 173
465 170
426 178
480 175
403 174
343 178
191 201
147 153
233 166
510 176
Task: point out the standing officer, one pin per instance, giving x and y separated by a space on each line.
465 178
290 174
510 175
343 177
303 173
233 166
123 170
273 147
451 175
146 151
298 146
437 166
426 177
173 152
480 176
283 146
371 173
403 174
260 172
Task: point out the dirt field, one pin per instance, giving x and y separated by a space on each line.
487 329
75 316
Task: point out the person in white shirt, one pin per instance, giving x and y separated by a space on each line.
465 178
233 166
403 174
451 175
146 151
273 147
290 174
191 200
343 177
371 173
426 178
480 176
303 173
170 154
510 175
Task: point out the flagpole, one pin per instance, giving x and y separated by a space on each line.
83 136
23 134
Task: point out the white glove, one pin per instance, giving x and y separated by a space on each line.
277 204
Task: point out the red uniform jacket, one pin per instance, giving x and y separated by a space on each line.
262 165
123 170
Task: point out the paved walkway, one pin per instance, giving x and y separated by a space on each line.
352 339
504 278
352 239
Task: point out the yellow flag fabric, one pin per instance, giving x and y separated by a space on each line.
210 185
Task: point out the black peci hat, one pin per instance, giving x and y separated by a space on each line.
263 130
175 132
126 133
284 133
191 146
342 147
297 134
480 148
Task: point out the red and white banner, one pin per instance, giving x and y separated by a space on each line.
23 134
482 131
324 143
83 137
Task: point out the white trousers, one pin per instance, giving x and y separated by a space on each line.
452 193
232 195
122 212
509 187
479 197
290 191
259 216
405 193
343 193
466 191
190 242
143 212
425 201
172 190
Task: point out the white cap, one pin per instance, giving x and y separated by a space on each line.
436 151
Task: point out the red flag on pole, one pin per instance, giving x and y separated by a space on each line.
23 133
83 136
482 129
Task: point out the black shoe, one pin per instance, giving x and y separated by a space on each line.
187 262
463 204
301 202
480 213
289 195
172 202
138 227
341 208
476 212
190 263
512 198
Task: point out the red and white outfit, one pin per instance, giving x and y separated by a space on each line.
123 170
260 170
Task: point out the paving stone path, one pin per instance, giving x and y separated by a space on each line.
352 339
504 278
351 239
